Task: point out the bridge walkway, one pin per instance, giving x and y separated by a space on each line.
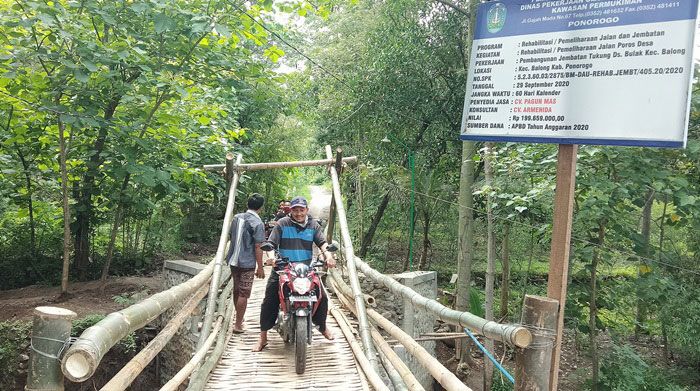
330 364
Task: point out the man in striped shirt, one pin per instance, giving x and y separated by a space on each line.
294 236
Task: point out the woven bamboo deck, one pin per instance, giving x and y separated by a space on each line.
330 365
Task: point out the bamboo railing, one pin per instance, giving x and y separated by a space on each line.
512 334
220 253
363 327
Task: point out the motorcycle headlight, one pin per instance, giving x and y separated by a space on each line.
302 285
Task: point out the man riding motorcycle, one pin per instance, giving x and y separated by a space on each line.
294 236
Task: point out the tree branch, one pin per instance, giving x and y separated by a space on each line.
454 7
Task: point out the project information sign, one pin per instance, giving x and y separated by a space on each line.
612 72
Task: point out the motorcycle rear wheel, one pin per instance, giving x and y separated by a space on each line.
300 342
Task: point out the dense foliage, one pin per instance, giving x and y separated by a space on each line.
145 93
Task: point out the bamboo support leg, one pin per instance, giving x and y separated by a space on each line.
50 330
174 383
372 376
446 378
226 307
406 375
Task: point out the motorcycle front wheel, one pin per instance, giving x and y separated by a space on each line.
300 343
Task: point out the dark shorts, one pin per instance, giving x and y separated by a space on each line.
242 281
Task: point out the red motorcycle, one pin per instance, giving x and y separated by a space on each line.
300 294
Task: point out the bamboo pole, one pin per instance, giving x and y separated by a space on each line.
409 380
434 338
229 170
363 326
181 376
341 286
512 334
331 211
274 165
226 306
532 364
136 365
82 359
374 379
219 258
50 330
443 375
394 375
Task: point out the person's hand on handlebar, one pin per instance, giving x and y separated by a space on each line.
329 259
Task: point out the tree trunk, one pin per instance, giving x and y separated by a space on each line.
30 201
465 241
369 235
66 209
84 207
664 320
505 275
147 236
490 259
593 309
110 247
360 205
642 270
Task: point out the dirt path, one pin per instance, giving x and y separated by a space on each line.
85 297
320 202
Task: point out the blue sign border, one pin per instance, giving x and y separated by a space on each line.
513 25
573 140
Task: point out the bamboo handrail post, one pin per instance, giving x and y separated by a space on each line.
226 306
408 378
181 376
218 259
363 326
229 170
331 211
532 364
51 328
136 365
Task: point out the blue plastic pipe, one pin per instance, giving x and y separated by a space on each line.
493 360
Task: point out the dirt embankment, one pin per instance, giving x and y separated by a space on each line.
84 298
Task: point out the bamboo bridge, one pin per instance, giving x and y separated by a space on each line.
358 359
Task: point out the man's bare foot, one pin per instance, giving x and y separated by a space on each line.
260 345
329 336
237 329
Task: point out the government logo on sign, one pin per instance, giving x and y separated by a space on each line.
496 18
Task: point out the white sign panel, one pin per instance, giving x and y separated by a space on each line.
612 72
